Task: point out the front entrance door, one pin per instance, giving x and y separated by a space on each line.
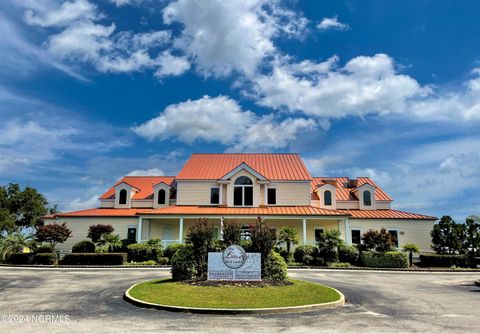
167 232
132 234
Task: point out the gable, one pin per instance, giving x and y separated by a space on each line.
345 192
144 185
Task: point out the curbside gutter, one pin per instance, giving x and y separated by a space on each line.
227 311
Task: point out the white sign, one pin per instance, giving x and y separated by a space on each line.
234 264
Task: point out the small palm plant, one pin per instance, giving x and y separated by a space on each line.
15 242
289 236
410 248
109 242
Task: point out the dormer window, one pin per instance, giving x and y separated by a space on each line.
243 192
122 197
367 198
327 198
161 197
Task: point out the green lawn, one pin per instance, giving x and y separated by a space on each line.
166 292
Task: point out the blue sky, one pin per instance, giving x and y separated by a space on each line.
94 90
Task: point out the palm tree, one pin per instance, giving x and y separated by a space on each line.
15 242
110 242
411 248
289 236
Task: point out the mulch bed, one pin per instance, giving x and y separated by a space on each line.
244 284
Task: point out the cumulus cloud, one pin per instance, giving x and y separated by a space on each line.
220 119
364 85
68 12
329 23
222 36
146 172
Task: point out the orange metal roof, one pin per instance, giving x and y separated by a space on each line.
258 211
273 166
344 193
261 211
385 214
101 212
143 183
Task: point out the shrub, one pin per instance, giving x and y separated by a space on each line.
95 231
347 253
328 247
84 246
246 245
283 253
263 239
45 258
384 259
231 232
340 265
200 236
143 252
381 241
126 243
163 260
145 263
217 246
107 259
171 249
109 243
289 236
442 260
45 248
53 233
275 267
308 260
183 264
20 258
303 250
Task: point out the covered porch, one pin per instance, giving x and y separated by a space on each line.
173 229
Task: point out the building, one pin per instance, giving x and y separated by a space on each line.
276 187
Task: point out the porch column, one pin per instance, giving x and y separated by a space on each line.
139 229
304 231
347 232
220 194
221 228
180 231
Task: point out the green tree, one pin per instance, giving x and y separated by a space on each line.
447 236
20 208
471 245
200 237
289 236
53 233
15 242
328 244
410 248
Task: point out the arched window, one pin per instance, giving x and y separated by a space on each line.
122 197
243 192
327 197
367 198
161 196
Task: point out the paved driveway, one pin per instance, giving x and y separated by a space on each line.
378 302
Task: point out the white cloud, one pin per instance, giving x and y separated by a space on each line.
68 12
82 204
121 3
221 119
222 36
328 23
364 85
171 65
146 172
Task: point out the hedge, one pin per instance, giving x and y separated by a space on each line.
443 260
275 267
45 248
45 258
108 259
183 265
384 259
20 258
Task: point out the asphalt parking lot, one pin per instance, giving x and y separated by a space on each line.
383 302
